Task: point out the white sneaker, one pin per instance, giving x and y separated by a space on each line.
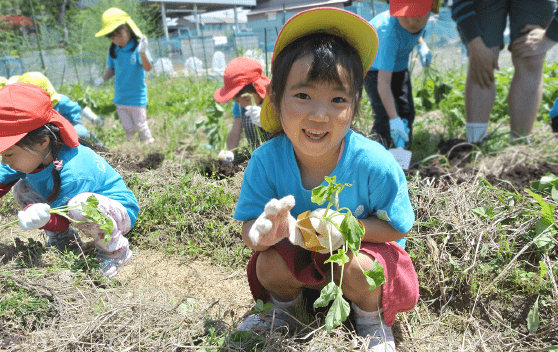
375 328
282 316
111 264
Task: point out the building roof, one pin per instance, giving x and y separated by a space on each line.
184 7
292 5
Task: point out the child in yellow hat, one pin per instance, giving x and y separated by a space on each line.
319 62
127 61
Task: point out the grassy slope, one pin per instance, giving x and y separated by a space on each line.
479 268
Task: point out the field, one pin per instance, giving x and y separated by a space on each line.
484 243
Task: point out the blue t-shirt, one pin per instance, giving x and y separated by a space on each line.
129 76
379 186
83 171
69 109
394 44
237 110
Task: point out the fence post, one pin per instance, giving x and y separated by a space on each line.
193 56
203 47
37 35
265 46
63 73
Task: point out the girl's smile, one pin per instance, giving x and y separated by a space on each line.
315 115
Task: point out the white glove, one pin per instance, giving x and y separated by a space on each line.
275 223
226 156
425 54
34 217
91 116
320 229
253 112
99 81
142 46
397 130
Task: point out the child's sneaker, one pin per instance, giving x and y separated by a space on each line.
372 325
111 263
64 240
283 315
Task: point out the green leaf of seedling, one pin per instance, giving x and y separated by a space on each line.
480 211
547 210
91 212
375 276
262 307
352 232
546 238
533 318
321 194
338 312
327 294
340 258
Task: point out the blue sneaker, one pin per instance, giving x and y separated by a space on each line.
111 263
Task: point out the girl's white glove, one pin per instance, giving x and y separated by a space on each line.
226 156
34 217
275 223
253 112
142 46
305 236
99 81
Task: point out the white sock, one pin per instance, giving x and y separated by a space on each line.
286 305
476 131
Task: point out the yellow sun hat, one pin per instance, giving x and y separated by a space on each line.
3 81
43 82
354 29
114 18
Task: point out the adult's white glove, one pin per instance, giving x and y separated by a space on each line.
253 112
275 223
312 231
99 81
142 46
226 155
397 130
425 54
34 217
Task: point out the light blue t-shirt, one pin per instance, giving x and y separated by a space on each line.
379 186
394 44
237 110
129 76
83 171
69 109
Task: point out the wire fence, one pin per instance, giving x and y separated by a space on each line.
201 56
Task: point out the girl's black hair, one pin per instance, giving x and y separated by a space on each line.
29 142
249 88
133 37
51 131
333 58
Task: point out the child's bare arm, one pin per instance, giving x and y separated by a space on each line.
379 231
233 139
145 62
386 95
109 72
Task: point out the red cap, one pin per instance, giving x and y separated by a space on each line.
25 107
240 72
410 8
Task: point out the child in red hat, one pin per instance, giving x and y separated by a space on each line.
388 82
45 164
245 84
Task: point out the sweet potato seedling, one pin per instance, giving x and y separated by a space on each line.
352 232
89 209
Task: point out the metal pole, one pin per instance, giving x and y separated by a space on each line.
203 47
196 18
193 56
63 73
265 46
236 20
37 35
164 16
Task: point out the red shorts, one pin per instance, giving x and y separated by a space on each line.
400 292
